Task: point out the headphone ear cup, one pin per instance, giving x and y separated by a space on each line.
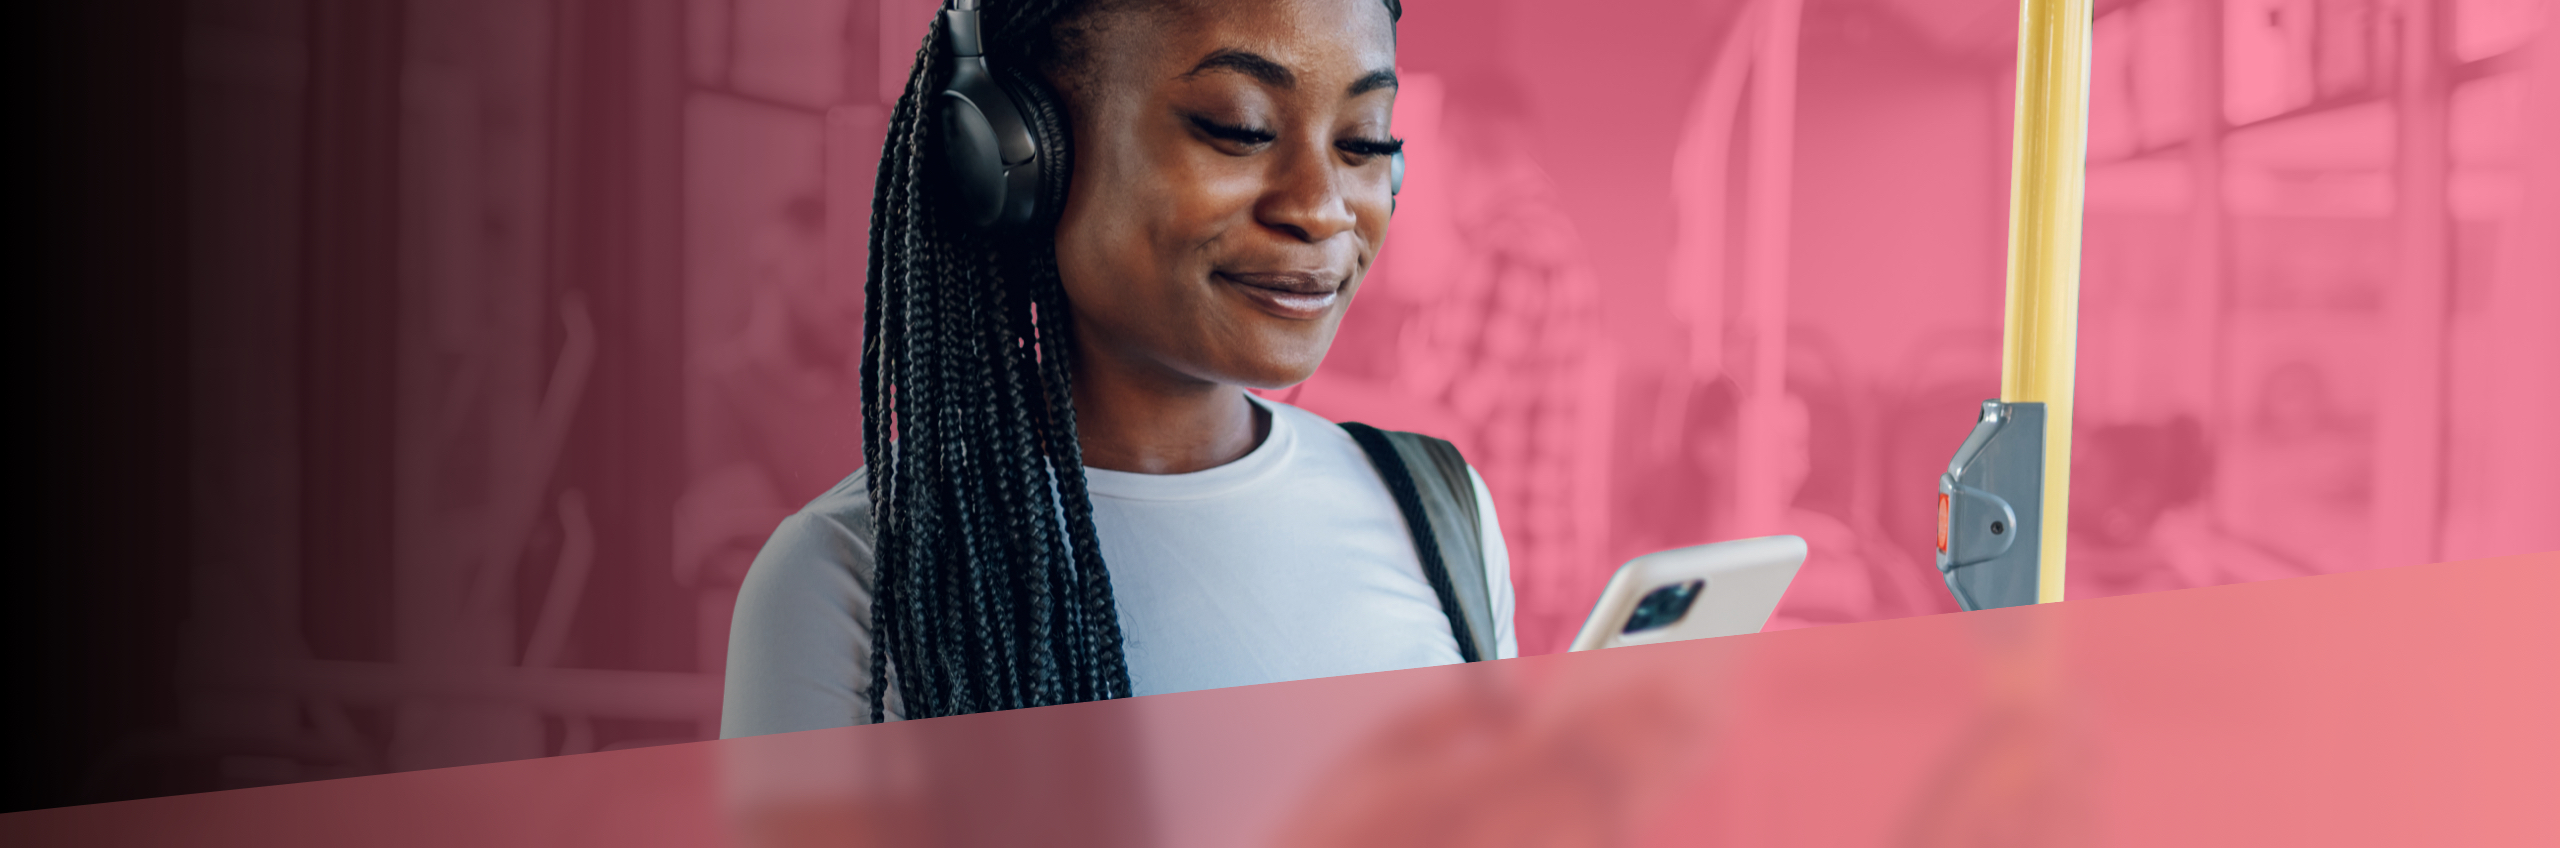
1053 161
990 144
972 164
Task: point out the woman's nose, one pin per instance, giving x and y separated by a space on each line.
1304 198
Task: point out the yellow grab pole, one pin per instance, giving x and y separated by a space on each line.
2048 166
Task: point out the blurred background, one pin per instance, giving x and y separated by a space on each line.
475 346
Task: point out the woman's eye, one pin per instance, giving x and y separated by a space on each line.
1368 147
1241 136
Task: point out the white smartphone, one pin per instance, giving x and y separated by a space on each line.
1723 589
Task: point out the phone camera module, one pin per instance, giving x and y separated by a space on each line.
1664 607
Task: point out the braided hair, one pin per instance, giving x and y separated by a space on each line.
989 591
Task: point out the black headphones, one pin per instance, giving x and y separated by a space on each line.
992 149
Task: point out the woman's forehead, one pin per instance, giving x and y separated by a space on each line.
1281 43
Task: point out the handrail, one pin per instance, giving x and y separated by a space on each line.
2048 171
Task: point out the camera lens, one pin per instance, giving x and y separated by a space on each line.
1664 607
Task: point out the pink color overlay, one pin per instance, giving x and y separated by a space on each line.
512 329
2391 707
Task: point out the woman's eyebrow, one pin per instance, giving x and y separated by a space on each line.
1279 76
1248 63
1377 79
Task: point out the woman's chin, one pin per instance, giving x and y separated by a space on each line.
1274 369
1272 378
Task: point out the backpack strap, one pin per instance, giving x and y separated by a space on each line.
1429 482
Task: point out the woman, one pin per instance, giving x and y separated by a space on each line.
1069 493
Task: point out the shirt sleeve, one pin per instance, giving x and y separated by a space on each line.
800 638
1497 571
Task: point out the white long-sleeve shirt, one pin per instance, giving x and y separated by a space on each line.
1289 563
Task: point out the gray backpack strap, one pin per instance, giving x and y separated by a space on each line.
1429 482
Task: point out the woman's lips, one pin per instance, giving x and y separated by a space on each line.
1296 295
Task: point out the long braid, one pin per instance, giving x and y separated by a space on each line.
913 510
884 321
954 563
1014 535
989 586
1035 535
990 658
875 428
1094 583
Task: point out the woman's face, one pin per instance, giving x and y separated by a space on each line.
1231 184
